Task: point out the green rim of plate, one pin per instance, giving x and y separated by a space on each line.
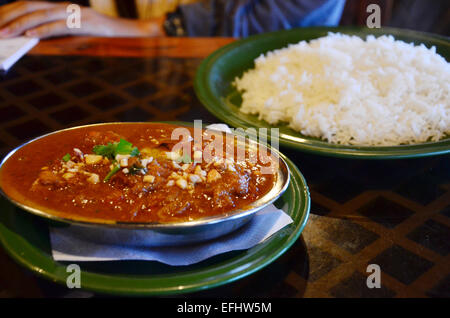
25 238
214 76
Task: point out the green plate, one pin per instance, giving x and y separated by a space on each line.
216 73
25 237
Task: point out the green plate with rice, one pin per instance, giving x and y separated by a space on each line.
214 87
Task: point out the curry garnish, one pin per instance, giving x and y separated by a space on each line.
66 157
111 150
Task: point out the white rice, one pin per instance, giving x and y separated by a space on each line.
345 90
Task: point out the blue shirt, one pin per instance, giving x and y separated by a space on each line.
241 18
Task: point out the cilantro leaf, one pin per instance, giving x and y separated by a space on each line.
66 157
135 152
108 151
113 171
122 147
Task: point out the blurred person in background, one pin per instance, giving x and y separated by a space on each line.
149 18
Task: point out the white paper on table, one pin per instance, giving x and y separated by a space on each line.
11 50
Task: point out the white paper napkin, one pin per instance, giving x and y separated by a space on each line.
69 245
11 50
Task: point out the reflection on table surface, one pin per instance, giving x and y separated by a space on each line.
394 213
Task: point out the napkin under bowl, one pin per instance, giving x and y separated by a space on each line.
75 245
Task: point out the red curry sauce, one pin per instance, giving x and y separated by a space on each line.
79 174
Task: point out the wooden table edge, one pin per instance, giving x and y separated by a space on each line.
177 47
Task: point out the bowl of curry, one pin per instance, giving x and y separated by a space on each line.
170 183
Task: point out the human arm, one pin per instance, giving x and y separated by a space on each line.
46 19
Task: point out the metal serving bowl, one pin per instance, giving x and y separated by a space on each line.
162 234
